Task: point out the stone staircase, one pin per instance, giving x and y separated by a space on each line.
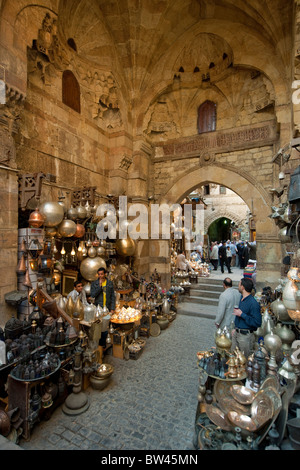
203 299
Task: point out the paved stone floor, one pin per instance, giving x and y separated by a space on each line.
150 402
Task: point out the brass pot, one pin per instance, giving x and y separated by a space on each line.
104 371
53 213
90 266
223 342
162 321
98 383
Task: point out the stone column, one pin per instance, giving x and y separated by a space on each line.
151 254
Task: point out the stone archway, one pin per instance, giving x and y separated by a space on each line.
218 214
269 253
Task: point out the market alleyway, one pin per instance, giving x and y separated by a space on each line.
150 403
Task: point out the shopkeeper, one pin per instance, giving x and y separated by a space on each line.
102 290
78 293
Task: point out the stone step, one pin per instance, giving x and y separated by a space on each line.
197 310
207 288
201 300
206 293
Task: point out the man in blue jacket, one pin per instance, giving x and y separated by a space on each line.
247 319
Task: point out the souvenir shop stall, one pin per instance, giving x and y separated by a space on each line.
53 348
253 403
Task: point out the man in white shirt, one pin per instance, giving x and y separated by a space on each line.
227 301
78 292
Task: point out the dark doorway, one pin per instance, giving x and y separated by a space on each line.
220 229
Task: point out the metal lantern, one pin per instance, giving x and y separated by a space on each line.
35 248
80 231
67 228
53 213
36 219
90 266
125 247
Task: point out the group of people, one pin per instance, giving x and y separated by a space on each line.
240 309
231 253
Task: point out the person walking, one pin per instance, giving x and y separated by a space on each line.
233 253
227 300
214 256
228 253
247 319
223 257
239 248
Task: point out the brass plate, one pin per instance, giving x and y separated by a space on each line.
242 394
270 381
218 417
155 329
230 404
222 388
262 408
242 421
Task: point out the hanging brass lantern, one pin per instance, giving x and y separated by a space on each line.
125 247
72 213
80 231
67 228
90 266
53 213
36 219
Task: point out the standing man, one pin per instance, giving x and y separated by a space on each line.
223 257
227 300
247 319
102 290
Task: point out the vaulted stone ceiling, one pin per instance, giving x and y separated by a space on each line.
166 48
143 39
